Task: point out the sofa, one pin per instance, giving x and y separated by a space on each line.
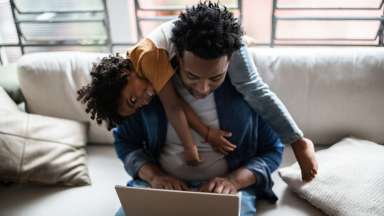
331 92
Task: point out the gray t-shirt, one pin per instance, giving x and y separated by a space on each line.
171 157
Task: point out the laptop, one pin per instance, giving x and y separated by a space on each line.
159 202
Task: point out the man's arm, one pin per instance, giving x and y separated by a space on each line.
128 141
129 138
257 170
268 156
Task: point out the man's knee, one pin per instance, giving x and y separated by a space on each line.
248 203
132 183
120 212
138 183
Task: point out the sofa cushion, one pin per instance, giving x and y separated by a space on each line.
98 199
63 73
106 171
350 179
40 149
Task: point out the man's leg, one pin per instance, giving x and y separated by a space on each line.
132 183
120 212
248 202
248 198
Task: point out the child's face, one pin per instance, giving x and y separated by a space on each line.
135 94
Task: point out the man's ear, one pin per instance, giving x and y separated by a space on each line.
179 58
229 57
180 61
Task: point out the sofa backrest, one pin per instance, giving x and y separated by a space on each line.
49 82
331 92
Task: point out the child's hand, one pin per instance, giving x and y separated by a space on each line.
217 138
191 155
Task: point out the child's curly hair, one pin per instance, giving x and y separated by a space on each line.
101 96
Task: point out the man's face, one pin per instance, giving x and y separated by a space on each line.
202 76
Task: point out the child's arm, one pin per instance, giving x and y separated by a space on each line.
176 116
213 136
179 113
246 79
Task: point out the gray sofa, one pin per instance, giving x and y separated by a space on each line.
331 92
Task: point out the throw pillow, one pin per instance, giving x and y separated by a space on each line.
40 149
350 179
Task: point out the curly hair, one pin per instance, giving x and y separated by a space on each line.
208 30
101 96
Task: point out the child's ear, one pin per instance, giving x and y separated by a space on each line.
125 71
132 74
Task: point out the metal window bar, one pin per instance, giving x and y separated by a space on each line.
275 19
107 26
380 31
330 8
18 30
170 8
23 41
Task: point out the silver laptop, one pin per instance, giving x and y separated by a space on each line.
158 202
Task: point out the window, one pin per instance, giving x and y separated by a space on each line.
269 22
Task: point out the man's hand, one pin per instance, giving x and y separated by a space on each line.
240 178
217 138
167 182
220 185
152 174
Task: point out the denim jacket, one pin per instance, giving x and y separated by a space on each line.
139 139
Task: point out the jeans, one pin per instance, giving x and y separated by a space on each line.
248 198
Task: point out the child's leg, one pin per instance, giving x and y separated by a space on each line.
305 155
246 79
176 116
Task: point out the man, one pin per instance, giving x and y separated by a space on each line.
152 154
151 151
211 68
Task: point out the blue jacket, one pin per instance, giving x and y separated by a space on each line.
140 137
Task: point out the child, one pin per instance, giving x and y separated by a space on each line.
152 70
131 90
